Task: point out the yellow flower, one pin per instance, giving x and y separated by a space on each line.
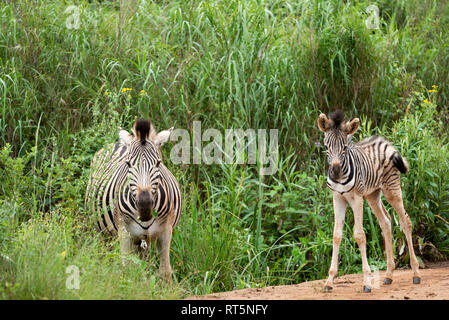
143 92
433 90
435 86
126 89
426 101
62 254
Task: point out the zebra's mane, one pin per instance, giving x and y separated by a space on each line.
142 129
338 117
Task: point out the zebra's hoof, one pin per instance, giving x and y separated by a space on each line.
327 289
388 281
366 289
416 280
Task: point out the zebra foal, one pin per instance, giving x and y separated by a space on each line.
127 183
364 170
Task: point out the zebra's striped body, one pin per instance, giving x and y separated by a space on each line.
129 182
369 165
364 170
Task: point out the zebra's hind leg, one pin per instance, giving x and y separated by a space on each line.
394 197
376 205
163 246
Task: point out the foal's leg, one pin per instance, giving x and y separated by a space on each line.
356 203
339 216
394 197
375 202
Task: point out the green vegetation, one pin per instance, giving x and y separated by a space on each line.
229 64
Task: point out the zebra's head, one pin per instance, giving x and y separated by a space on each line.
337 134
144 163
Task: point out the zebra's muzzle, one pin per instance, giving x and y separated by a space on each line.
144 205
335 172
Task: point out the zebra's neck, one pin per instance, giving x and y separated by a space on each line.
347 180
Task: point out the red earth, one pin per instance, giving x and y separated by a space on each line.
434 286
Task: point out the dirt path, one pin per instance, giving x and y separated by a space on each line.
434 285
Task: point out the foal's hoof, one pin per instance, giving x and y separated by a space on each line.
388 281
416 280
327 289
366 289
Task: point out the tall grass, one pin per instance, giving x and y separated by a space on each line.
229 64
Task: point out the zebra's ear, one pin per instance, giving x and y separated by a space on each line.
162 137
125 137
352 126
323 122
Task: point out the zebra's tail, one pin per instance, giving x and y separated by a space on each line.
401 163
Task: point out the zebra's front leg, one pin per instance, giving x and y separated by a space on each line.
339 217
126 245
163 245
356 203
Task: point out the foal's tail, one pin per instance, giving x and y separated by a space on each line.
401 163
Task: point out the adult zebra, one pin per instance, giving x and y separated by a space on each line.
364 170
128 181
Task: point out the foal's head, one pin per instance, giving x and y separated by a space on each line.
337 133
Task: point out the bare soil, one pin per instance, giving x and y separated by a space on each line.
434 286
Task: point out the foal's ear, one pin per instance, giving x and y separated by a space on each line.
323 122
352 126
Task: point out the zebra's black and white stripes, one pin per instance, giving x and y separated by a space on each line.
364 170
132 192
365 166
